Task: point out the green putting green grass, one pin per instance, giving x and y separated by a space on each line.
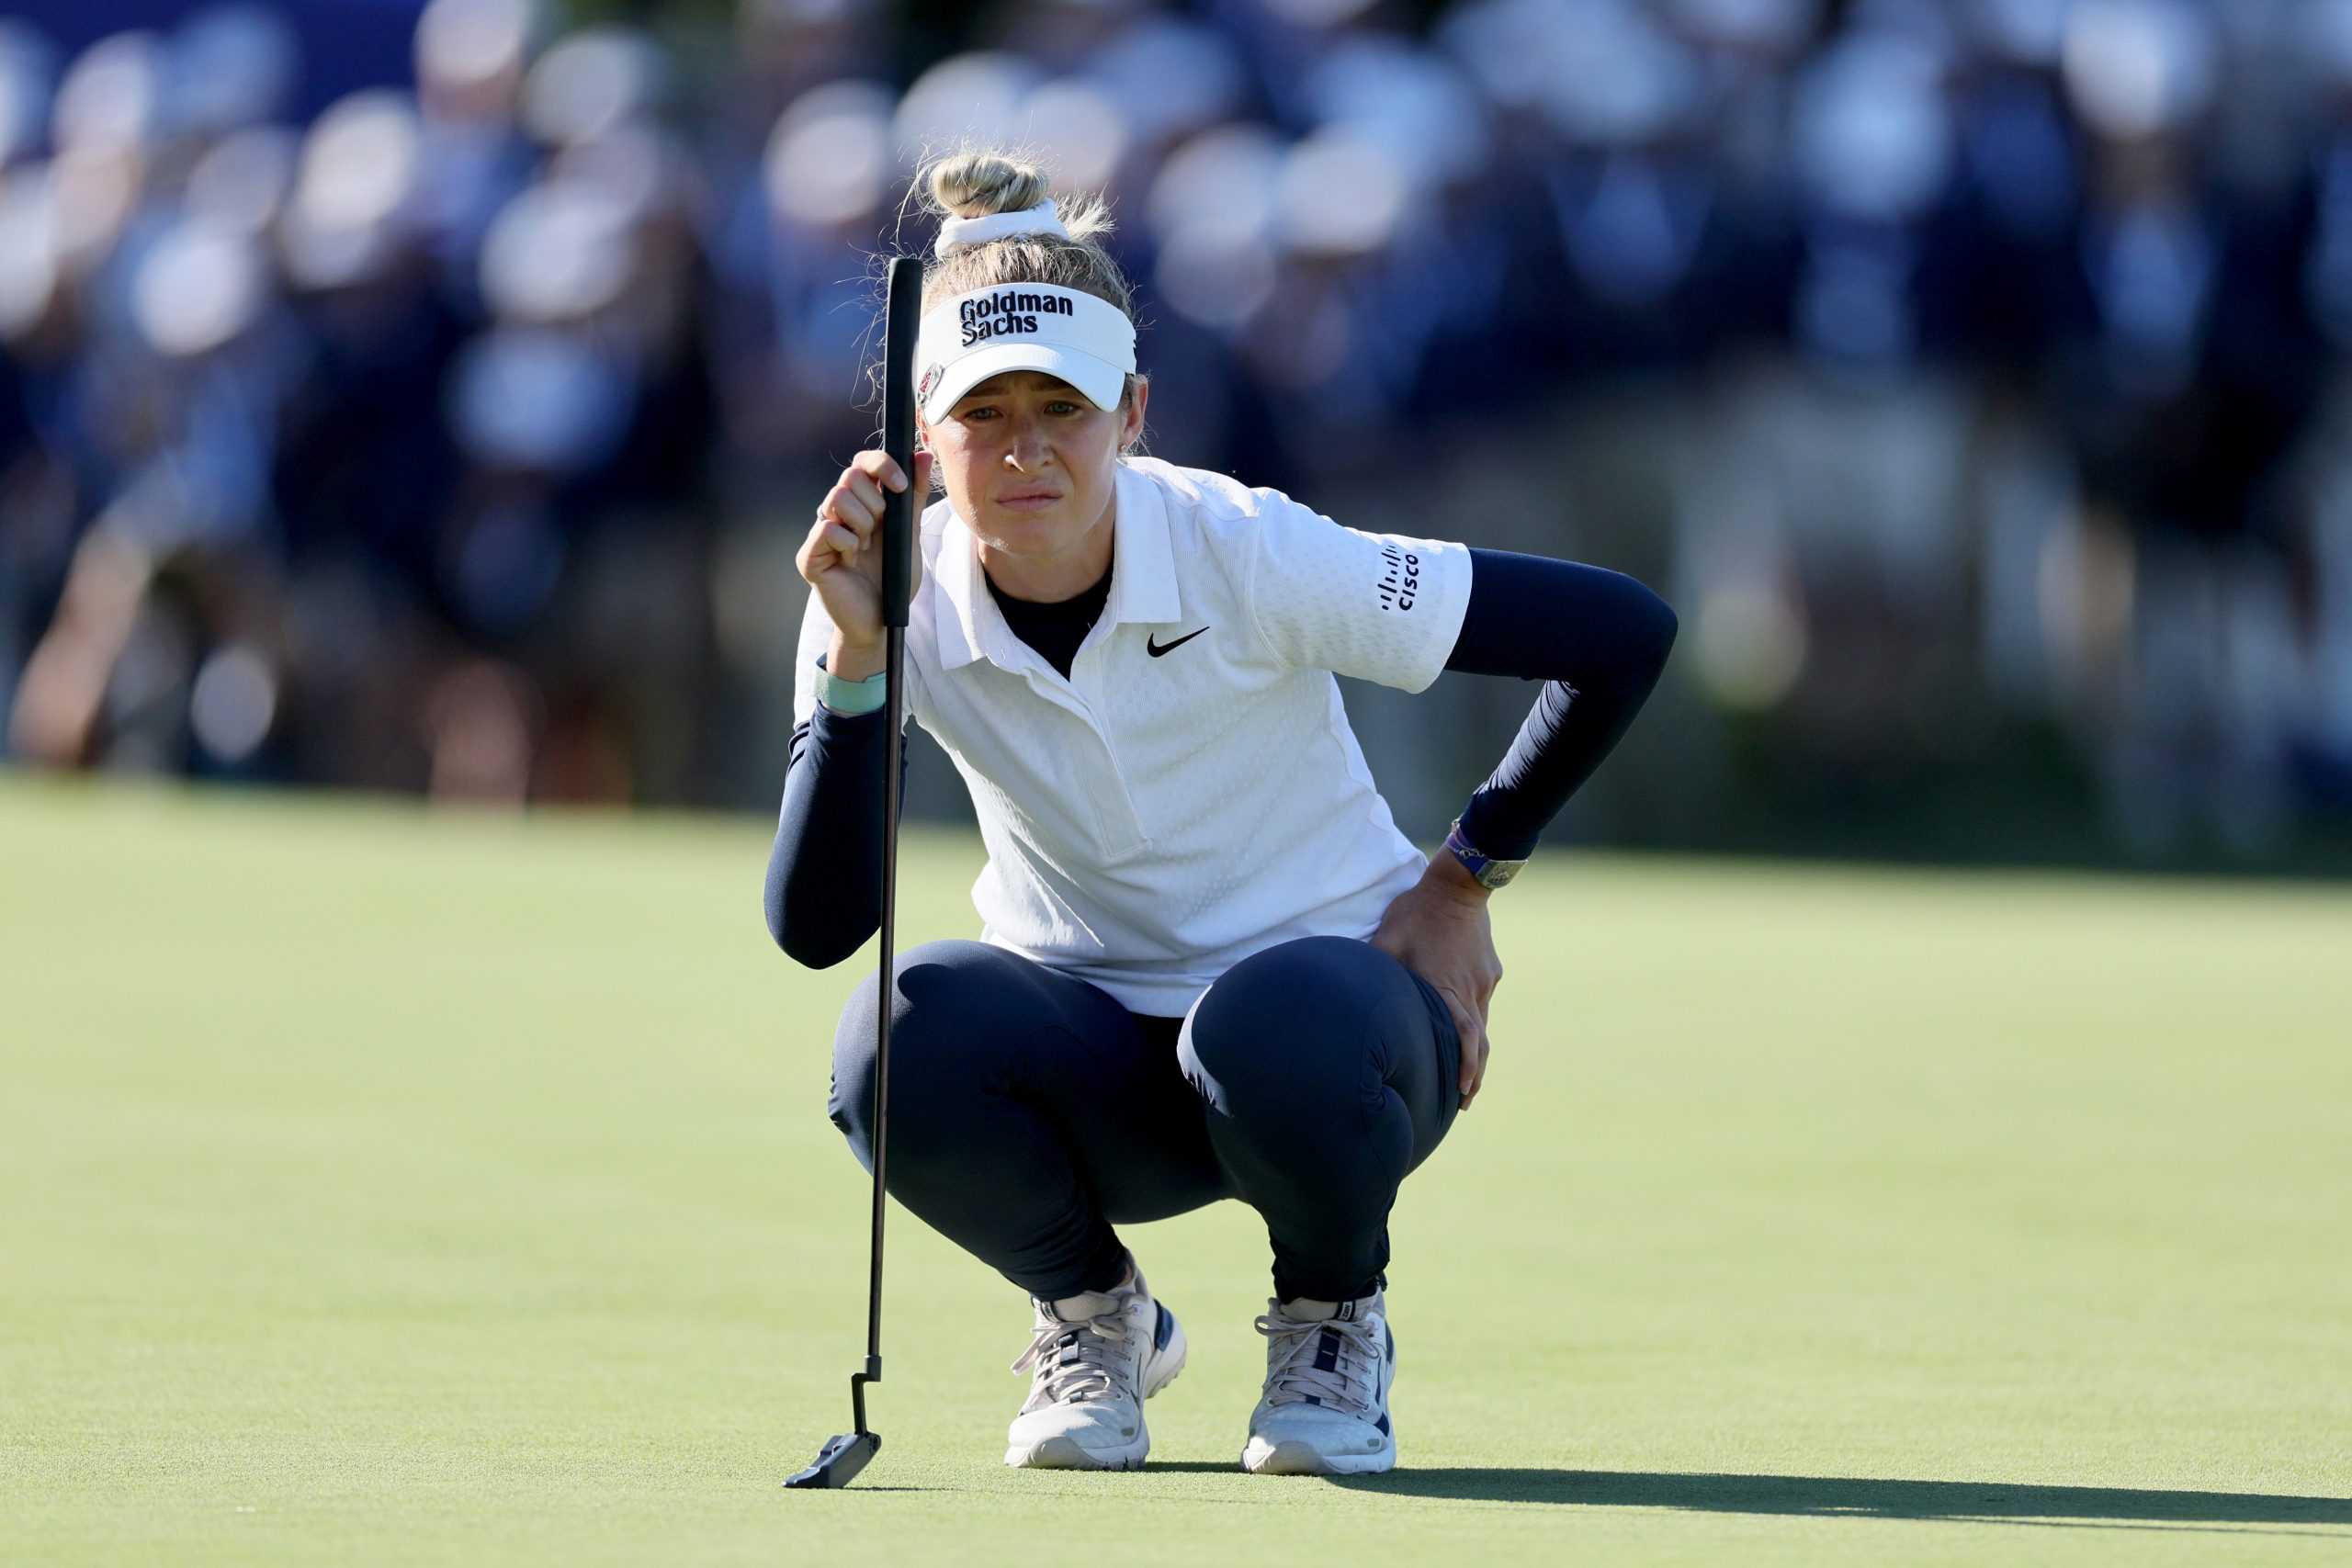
382 1186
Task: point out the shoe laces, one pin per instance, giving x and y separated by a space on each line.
1075 1360
1299 1373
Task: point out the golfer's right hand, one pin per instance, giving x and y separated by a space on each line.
842 558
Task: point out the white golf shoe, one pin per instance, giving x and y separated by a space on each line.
1329 1366
1095 1359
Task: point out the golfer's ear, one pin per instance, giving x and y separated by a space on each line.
1131 429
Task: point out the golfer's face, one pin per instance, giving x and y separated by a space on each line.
1028 461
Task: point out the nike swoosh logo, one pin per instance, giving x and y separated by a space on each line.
1153 645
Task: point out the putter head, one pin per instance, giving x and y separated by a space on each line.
837 1463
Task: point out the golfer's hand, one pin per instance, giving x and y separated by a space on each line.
842 558
1439 930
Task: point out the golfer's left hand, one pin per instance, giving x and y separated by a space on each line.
1439 930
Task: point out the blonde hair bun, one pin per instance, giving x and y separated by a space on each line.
982 183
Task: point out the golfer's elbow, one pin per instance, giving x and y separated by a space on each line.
807 949
811 932
793 921
813 952
782 930
810 922
1656 626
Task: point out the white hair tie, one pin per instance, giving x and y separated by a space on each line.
1039 220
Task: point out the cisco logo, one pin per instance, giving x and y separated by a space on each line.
1400 578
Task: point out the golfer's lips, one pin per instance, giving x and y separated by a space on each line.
1030 499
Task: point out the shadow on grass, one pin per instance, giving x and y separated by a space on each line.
1858 1496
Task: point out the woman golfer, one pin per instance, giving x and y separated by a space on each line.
1210 965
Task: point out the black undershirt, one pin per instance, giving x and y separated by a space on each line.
1054 629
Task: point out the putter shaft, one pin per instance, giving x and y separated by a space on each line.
843 1456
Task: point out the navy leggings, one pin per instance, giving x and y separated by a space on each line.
1030 1112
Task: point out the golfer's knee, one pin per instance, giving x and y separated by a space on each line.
1282 1027
938 1043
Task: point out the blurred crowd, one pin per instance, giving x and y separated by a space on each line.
1962 369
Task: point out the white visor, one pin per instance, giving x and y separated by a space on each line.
1087 341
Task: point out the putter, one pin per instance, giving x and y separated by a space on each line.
837 1463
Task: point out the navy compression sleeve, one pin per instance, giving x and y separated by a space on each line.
1598 639
824 882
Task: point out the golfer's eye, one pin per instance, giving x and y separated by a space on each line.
977 412
1061 408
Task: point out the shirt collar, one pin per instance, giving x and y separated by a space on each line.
1142 568
959 580
1143 576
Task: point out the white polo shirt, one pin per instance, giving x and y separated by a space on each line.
1191 794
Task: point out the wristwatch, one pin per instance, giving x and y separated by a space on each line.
1484 869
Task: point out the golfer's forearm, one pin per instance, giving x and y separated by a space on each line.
824 883
1598 639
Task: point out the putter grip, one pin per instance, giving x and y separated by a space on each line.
902 321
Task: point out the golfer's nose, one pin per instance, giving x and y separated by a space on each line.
1027 449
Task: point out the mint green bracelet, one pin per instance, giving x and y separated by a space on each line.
850 698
